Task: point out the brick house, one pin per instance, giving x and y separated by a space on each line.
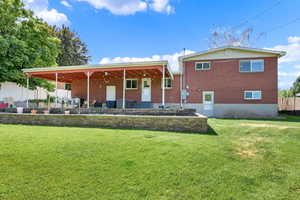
221 82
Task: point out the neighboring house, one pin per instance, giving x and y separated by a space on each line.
222 82
12 93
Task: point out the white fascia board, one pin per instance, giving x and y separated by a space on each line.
97 66
277 53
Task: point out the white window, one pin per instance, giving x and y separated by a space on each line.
253 95
168 83
251 65
202 66
131 84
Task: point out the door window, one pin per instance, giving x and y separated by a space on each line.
208 97
146 84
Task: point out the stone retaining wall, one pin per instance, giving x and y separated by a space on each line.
165 123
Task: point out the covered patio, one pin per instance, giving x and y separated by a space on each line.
139 82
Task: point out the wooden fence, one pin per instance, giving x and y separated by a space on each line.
289 104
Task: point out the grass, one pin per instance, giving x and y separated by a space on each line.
237 159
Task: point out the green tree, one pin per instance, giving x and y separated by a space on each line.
296 86
25 42
73 51
286 93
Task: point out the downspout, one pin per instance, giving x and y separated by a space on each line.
181 106
181 79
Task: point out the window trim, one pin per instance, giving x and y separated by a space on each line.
261 94
202 68
251 61
132 79
171 84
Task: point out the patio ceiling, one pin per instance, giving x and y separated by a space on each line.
104 72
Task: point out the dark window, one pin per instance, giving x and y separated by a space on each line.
202 66
68 86
131 84
252 95
251 65
168 83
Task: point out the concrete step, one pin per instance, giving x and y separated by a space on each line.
143 105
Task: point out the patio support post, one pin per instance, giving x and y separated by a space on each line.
88 89
27 98
124 89
163 88
56 86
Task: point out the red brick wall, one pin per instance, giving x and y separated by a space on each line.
98 90
171 95
229 84
223 78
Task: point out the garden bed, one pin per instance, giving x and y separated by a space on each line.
114 111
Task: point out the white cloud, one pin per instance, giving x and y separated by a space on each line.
297 67
119 7
162 6
129 7
53 17
172 59
290 63
67 4
285 84
292 49
290 74
40 8
294 39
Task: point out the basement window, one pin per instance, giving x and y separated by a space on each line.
131 84
253 95
251 65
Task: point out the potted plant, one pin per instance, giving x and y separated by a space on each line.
20 110
67 112
46 112
33 112
48 101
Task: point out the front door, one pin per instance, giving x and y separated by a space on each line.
208 103
146 90
111 93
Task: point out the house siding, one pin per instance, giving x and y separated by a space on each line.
229 84
98 90
224 78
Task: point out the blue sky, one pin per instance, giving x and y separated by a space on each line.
126 30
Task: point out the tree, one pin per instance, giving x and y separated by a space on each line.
73 51
296 86
25 42
295 89
286 93
229 36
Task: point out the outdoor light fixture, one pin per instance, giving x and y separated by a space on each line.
105 73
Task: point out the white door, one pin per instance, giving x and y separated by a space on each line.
110 93
146 89
208 103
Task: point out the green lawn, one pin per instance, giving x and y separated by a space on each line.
237 160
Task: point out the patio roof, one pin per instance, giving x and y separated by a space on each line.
115 70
